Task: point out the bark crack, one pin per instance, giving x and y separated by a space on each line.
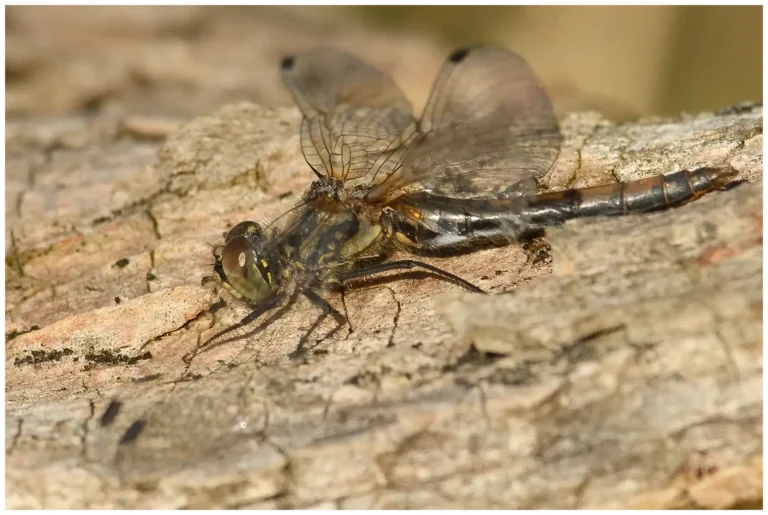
395 318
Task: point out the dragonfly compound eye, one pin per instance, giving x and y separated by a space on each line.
241 271
251 230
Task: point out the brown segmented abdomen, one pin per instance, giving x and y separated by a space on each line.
445 222
642 195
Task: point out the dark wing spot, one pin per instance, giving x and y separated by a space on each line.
122 263
287 62
459 55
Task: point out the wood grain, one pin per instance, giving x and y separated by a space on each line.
618 363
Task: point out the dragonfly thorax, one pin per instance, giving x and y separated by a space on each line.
325 193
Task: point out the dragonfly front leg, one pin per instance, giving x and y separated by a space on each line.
263 307
326 309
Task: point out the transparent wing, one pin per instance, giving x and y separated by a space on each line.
488 131
356 119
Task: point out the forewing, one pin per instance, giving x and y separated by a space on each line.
356 119
488 131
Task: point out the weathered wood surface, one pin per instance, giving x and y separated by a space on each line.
187 60
625 366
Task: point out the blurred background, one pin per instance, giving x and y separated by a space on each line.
185 61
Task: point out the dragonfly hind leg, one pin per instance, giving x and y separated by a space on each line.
326 309
409 264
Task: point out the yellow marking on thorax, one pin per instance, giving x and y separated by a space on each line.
366 235
265 264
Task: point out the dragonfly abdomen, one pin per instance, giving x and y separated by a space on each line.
643 195
433 222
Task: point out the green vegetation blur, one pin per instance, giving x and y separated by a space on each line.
627 61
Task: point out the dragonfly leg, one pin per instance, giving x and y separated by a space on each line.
409 264
326 309
263 307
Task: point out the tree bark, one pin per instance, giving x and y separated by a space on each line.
618 363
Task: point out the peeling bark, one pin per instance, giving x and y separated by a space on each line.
619 366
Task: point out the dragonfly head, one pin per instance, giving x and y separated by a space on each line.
240 265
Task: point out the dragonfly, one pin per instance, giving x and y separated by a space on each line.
462 176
